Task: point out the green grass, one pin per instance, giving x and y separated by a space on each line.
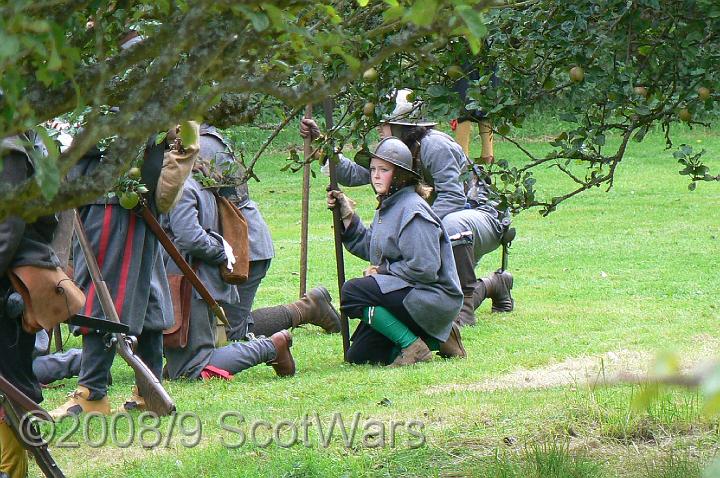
632 269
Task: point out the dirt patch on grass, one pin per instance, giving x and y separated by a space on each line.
569 371
585 369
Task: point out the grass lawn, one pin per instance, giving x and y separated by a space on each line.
617 276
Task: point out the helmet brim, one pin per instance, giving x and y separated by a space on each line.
407 122
392 161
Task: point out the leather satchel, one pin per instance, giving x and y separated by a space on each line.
234 229
176 337
176 168
50 296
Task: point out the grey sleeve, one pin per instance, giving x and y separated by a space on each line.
357 238
189 235
351 174
444 169
421 252
14 170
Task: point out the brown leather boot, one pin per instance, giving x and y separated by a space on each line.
284 364
497 288
134 402
466 316
416 352
316 308
453 346
478 296
78 403
464 256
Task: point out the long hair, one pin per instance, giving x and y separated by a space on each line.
411 136
403 178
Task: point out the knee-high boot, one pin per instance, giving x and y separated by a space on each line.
464 255
496 286
314 308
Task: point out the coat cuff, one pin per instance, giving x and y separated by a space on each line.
352 230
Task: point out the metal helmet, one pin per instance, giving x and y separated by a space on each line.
394 151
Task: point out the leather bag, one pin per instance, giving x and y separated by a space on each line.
176 336
50 296
234 229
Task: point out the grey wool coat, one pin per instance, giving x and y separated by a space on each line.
214 147
128 253
409 245
194 227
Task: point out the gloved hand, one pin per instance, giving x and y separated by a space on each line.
227 248
339 199
308 127
230 255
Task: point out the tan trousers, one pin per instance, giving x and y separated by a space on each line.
463 132
13 457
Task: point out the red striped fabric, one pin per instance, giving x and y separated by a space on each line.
104 240
125 268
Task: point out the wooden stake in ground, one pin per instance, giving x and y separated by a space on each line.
61 244
307 153
337 231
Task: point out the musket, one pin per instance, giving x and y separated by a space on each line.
180 261
149 386
337 231
14 402
11 392
307 152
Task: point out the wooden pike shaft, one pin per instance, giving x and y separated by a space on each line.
337 231
307 153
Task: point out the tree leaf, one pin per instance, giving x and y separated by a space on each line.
276 16
352 62
47 174
188 133
711 392
259 20
474 21
9 46
422 12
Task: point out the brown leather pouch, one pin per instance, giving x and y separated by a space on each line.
176 336
234 229
50 296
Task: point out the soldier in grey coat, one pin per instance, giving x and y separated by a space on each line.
314 308
21 243
130 260
473 224
410 294
193 225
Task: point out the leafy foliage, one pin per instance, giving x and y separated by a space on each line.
635 66
214 60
